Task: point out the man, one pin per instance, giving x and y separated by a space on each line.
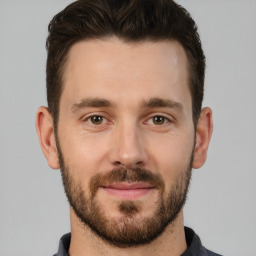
124 124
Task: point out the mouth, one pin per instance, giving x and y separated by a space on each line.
128 191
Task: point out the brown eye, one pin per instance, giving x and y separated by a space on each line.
159 120
96 120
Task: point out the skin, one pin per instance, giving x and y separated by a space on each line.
128 76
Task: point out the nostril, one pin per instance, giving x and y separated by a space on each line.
117 163
127 165
140 163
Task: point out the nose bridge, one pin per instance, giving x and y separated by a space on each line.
128 149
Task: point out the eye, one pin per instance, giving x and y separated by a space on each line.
158 120
96 120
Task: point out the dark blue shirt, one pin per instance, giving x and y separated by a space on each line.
195 247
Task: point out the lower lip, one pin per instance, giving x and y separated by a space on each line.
128 194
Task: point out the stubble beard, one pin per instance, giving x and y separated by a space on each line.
128 230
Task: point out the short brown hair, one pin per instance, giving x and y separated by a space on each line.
131 21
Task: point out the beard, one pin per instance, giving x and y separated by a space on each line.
128 230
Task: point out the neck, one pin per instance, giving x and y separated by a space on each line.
84 242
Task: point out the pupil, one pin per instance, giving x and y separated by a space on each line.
97 119
159 120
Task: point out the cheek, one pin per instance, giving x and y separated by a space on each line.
81 154
171 156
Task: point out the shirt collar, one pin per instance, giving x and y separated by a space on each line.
194 244
64 245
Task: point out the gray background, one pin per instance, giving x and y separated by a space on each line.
221 207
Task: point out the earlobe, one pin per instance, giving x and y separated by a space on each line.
45 132
203 137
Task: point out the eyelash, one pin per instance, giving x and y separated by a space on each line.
89 119
166 120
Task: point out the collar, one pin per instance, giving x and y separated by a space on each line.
195 247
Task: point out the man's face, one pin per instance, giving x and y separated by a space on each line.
126 136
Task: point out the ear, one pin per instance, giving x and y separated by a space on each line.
203 136
45 132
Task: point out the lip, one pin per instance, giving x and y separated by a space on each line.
128 191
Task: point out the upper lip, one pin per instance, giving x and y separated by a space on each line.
129 186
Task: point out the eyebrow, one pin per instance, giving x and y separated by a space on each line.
151 103
91 102
162 103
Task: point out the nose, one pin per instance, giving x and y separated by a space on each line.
128 147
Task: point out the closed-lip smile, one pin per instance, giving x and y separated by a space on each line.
128 191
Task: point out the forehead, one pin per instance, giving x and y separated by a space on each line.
118 70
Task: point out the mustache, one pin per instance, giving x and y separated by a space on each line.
122 174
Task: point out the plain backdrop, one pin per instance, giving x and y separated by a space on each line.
221 207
